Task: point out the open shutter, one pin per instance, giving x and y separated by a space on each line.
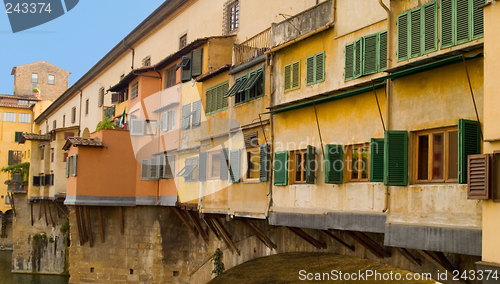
225 88
224 161
402 36
169 169
462 20
319 74
11 157
153 168
477 18
310 164
430 27
358 58
145 169
208 101
18 136
196 114
447 26
197 59
349 62
68 162
310 69
264 162
382 51
296 75
288 77
281 168
370 54
395 158
164 122
186 116
415 32
186 68
74 163
235 165
479 185
377 160
202 162
334 164
468 144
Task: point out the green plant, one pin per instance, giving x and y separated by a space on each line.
106 123
51 240
65 226
22 169
218 264
36 90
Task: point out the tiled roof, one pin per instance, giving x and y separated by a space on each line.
83 141
31 98
212 73
34 136
14 105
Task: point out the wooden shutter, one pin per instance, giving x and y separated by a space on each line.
468 144
415 32
186 116
349 62
430 27
36 180
310 69
164 122
17 136
251 139
462 20
11 157
296 75
402 36
225 89
447 26
115 98
235 165
186 70
137 127
281 168
100 97
74 164
202 166
288 77
479 185
382 51
145 169
310 164
334 164
319 74
73 114
68 163
377 160
196 114
172 119
208 101
395 158
264 162
68 135
477 18
153 168
370 54
224 162
197 62
358 58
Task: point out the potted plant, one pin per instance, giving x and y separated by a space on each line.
36 92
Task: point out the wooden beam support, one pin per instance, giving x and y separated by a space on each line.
50 214
185 221
413 259
78 224
83 224
121 221
89 226
11 196
362 242
197 224
437 262
31 215
374 244
60 208
308 238
211 225
45 212
259 234
340 241
225 235
101 229
40 210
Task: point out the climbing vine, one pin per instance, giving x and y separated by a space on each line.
218 264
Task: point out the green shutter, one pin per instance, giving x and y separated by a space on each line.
235 165
468 144
310 68
11 157
358 58
224 159
186 70
477 19
208 101
319 70
202 166
415 32
296 75
334 164
382 51
349 62
264 162
288 77
220 96
75 164
186 116
377 160
225 88
310 164
395 158
18 136
68 161
447 25
462 20
281 168
370 54
402 36
197 62
430 27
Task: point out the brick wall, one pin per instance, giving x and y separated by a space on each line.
22 80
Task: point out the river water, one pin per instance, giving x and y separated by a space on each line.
6 277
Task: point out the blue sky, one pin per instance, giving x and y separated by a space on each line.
75 41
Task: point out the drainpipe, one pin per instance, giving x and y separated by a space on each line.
271 122
133 53
80 115
159 142
388 90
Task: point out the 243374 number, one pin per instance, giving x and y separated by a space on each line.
26 8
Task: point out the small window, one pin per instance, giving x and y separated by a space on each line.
232 16
146 62
298 158
51 80
216 98
170 78
214 165
22 102
248 86
42 153
100 99
86 106
51 155
18 136
253 162
54 124
34 78
64 121
292 76
183 41
73 116
192 172
24 117
358 163
9 116
134 90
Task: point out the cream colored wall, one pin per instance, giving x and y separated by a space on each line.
353 15
63 110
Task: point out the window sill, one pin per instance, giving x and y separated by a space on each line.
251 181
249 100
214 112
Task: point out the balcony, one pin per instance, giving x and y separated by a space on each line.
253 47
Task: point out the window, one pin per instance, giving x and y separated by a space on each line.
248 86
100 98
214 164
14 157
51 155
51 80
42 153
216 98
185 66
358 163
9 116
169 77
64 121
140 127
196 114
34 78
25 117
298 158
232 15
168 120
292 76
86 106
417 31
183 41
253 162
315 68
134 90
73 115
461 21
22 102
190 170
54 125
367 55
436 155
146 62
18 136
71 165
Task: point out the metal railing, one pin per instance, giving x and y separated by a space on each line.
252 47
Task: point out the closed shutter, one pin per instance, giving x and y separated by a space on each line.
36 181
402 36
153 168
186 116
430 27
100 99
115 98
264 162
202 174
395 158
208 101
468 144
225 88
224 162
74 164
358 58
172 118
447 30
349 62
196 115
73 114
415 32
144 169
164 122
137 127
281 168
68 135
477 18
296 75
11 157
310 164
310 79
18 136
235 165
288 77
320 67
197 59
462 20
68 163
186 68
334 164
251 139
377 160
370 54
382 51
478 185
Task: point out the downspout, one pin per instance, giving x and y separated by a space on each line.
80 115
159 143
133 53
388 91
271 125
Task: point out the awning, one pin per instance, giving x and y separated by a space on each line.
184 62
237 87
254 77
186 171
